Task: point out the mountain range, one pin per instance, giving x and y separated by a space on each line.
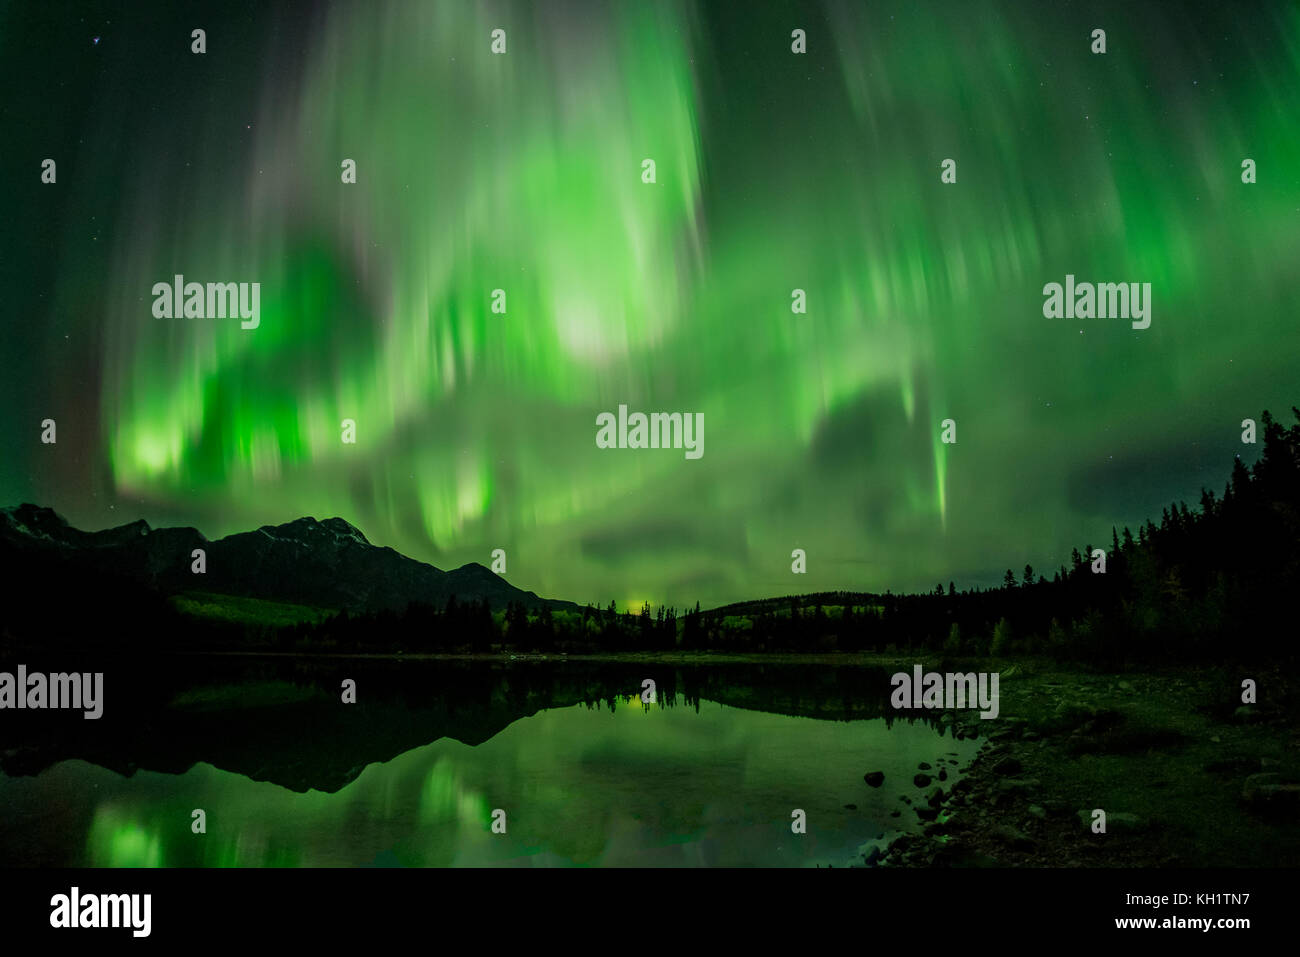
326 564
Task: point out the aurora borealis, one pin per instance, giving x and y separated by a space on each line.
775 171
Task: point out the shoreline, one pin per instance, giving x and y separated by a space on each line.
1185 776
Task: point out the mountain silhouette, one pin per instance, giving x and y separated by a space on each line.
326 564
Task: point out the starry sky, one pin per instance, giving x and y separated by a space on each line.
774 171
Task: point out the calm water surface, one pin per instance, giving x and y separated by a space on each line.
607 781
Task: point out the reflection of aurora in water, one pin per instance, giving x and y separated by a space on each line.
579 785
775 172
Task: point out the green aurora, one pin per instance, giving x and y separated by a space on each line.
774 171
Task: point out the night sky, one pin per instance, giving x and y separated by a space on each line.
774 172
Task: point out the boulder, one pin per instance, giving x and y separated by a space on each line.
1008 765
1270 792
1012 837
1122 821
1116 821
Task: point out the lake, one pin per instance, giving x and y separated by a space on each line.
586 773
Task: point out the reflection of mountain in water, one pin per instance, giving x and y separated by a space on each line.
283 721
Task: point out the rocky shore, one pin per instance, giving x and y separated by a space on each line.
1176 768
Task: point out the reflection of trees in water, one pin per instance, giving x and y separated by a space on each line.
309 739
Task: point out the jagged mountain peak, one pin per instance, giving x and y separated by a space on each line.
41 523
34 519
308 531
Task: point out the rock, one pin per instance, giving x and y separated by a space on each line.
926 813
1270 792
1029 736
943 774
1231 766
1012 837
1245 714
895 813
956 854
1215 739
874 778
1122 821
934 796
1005 790
874 855
921 780
1073 714
1008 765
924 766
1250 789
1038 812
850 807
1125 686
